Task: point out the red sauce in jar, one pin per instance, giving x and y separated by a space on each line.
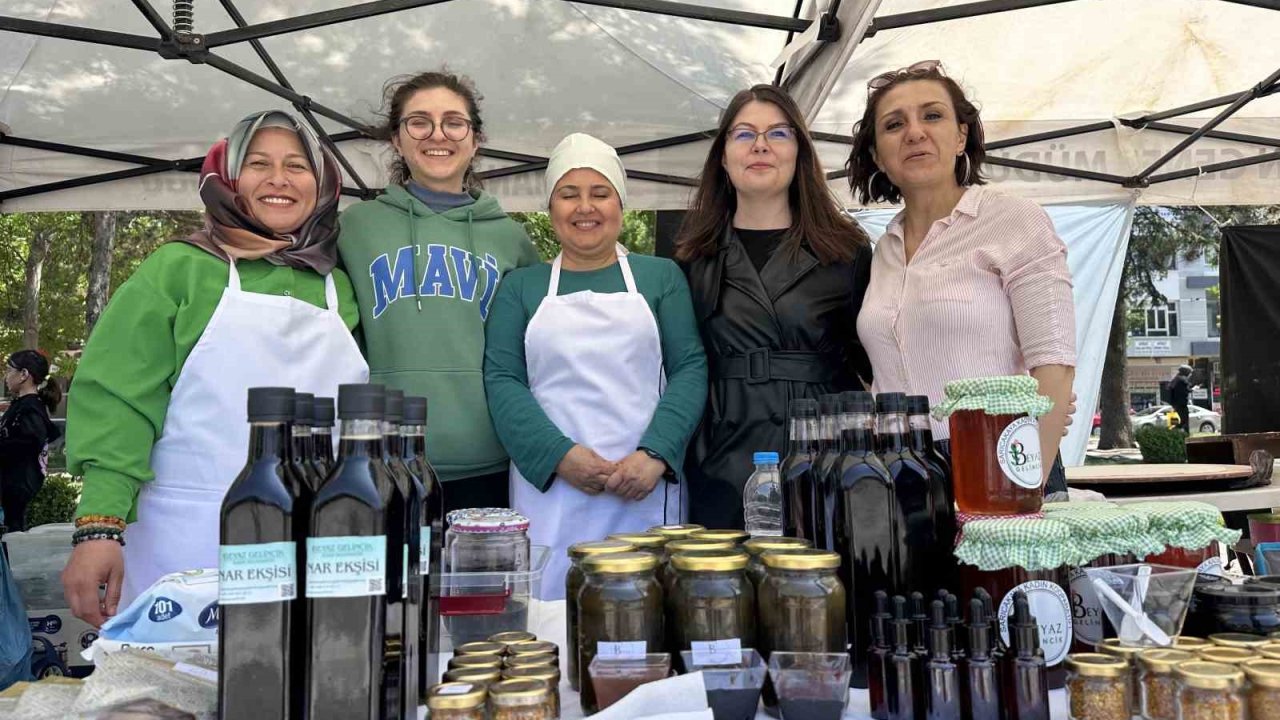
982 485
1206 559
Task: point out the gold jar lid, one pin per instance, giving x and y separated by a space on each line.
546 673
455 696
756 546
683 544
801 560
1162 660
1264 673
1270 652
481 676
482 647
1113 646
475 661
1097 665
1209 675
599 547
538 660
512 636
1238 640
1187 642
719 561
1227 655
518 693
734 536
626 562
645 540
1275 635
672 532
533 647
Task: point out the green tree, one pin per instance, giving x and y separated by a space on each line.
638 231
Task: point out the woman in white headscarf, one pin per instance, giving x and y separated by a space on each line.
594 370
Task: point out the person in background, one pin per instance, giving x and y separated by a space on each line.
156 417
426 259
25 434
1180 396
777 272
966 282
595 373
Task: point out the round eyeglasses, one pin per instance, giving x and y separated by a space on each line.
421 127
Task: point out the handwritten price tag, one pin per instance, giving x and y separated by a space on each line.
717 652
622 650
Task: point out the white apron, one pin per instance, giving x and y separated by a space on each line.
252 340
595 367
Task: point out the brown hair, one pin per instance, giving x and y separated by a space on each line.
817 219
400 89
868 182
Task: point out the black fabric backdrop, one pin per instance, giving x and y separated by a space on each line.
1249 277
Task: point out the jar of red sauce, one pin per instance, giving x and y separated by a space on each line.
1207 560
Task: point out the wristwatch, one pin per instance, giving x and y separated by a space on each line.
669 473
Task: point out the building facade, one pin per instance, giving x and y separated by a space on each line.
1185 331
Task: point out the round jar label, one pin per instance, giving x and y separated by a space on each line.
1018 452
1086 609
1052 611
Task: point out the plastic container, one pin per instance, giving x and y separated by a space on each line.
811 686
1098 687
456 701
521 700
1221 607
1159 688
1264 689
550 676
1264 527
612 679
1146 604
475 606
619 612
733 688
1209 691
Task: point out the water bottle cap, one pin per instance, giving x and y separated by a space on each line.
765 458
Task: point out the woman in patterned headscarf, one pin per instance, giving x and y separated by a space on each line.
156 422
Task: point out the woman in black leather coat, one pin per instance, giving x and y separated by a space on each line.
777 274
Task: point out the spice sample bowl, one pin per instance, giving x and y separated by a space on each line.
1147 604
811 686
733 689
614 678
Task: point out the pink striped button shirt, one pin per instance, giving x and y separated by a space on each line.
987 293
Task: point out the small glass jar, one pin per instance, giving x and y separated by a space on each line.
676 532
1159 688
736 537
1098 687
574 579
521 700
1220 607
756 547
620 603
1209 691
548 675
1190 644
489 662
1247 641
1227 655
650 542
484 677
486 540
537 660
1128 653
456 701
987 480
1264 689
711 600
533 647
482 647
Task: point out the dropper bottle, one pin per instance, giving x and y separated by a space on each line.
943 693
904 682
982 677
959 638
1030 686
878 659
920 624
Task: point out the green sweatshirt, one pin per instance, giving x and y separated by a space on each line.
535 443
118 400
425 282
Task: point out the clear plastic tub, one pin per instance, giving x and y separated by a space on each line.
475 606
614 678
733 688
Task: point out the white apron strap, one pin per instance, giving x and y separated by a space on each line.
553 288
626 269
233 275
330 293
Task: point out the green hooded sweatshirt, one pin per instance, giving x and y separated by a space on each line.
425 282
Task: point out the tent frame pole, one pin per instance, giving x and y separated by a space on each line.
312 20
954 12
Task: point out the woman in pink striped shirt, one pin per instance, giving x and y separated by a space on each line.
966 282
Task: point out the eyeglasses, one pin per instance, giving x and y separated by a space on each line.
775 134
887 78
420 127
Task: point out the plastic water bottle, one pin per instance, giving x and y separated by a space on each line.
762 497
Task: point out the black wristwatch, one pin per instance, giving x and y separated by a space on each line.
669 473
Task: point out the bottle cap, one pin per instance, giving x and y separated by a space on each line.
394 411
801 560
270 404
858 401
673 532
641 539
361 402
765 458
979 630
626 562
804 408
415 410
323 411
599 547
1097 665
1209 675
917 404
829 404
892 402
939 630
304 408
757 546
456 696
734 536
900 622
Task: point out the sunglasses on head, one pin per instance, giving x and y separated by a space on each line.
887 78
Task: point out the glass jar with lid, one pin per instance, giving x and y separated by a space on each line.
1227 655
480 647
1190 643
1159 688
536 660
533 647
1264 689
1209 691
486 540
676 532
650 542
1098 687
492 662
546 674
800 607
1270 652
1129 654
520 700
1192 533
574 579
712 601
619 612
756 547
1248 641
484 677
456 701
737 537
665 575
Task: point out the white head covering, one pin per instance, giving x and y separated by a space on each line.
580 150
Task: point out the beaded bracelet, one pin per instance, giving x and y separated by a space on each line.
97 532
104 520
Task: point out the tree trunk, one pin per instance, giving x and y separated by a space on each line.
104 235
36 255
1116 430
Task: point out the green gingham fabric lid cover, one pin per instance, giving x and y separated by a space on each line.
1004 395
1028 543
1050 508
1098 531
1187 525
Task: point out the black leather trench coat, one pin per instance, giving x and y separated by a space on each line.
787 332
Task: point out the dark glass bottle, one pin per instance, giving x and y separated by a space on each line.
982 676
347 567
259 631
919 625
904 681
404 585
322 436
869 531
878 662
943 694
912 489
941 495
302 439
828 454
413 431
1028 695
799 473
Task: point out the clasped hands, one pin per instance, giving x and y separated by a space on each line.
633 477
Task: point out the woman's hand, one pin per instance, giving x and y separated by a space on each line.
585 470
94 563
636 476
1071 410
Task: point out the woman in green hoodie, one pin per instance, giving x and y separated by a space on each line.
425 259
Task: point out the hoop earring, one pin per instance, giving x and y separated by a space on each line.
965 181
871 183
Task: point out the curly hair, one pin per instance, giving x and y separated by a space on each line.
400 89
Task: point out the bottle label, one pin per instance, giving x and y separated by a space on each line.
346 566
424 551
1018 451
622 650
716 652
257 573
1086 609
1211 566
1052 610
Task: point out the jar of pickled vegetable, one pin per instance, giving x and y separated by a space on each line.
712 601
619 610
1264 689
1159 687
1209 691
520 700
1098 687
547 674
756 547
456 701
574 579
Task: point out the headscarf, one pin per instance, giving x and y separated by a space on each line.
580 150
230 229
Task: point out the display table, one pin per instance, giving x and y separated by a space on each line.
547 620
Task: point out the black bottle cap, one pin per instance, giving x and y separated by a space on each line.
304 409
415 410
901 639
804 408
939 631
879 621
394 412
979 631
892 402
1023 628
361 402
917 404
919 619
270 404
829 404
322 408
858 401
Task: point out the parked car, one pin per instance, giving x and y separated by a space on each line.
1201 420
